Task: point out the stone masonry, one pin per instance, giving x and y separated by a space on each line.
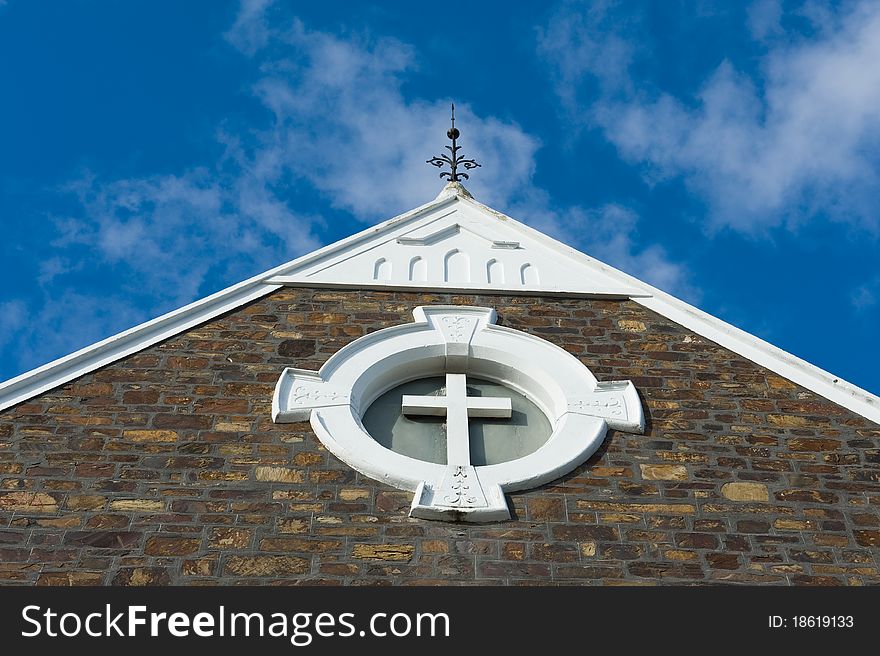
165 468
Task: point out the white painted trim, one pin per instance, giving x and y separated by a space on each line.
452 288
457 341
63 370
58 372
760 352
831 387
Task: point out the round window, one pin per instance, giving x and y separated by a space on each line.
492 440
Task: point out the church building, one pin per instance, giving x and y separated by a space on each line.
449 397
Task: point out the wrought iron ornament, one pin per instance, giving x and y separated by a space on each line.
455 161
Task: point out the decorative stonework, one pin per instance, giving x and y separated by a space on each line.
457 342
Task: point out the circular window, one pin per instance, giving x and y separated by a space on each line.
457 409
492 440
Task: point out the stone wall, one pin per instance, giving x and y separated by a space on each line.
165 468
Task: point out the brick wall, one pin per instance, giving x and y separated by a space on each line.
165 468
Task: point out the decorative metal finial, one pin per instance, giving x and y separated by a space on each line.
455 161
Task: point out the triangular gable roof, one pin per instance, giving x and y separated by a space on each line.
456 244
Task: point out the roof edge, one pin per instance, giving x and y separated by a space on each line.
791 367
62 370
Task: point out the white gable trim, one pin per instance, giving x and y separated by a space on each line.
730 337
86 360
58 372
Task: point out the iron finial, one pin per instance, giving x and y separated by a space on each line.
455 161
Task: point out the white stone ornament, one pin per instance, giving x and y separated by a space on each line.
457 342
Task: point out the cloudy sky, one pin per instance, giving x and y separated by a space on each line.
153 151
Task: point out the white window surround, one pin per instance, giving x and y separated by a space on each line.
457 339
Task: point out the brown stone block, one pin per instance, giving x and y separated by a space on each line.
745 491
171 546
293 525
696 540
665 570
108 521
230 538
300 545
140 397
621 551
611 471
808 444
788 421
350 531
222 406
91 390
795 525
679 554
297 348
664 472
38 502
546 509
865 519
199 567
814 496
383 551
85 502
867 538
191 363
805 556
279 475
265 565
339 569
140 576
195 422
752 526
70 578
137 505
512 570
723 561
581 533
103 539
554 553
393 501
353 494
150 435
306 459
223 475
232 426
631 325
620 518
69 521
671 508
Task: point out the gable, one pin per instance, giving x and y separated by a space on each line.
456 245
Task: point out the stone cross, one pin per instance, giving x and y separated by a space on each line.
457 407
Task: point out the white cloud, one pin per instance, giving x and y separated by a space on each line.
13 316
765 18
339 121
342 123
68 322
799 142
170 231
251 30
608 233
865 296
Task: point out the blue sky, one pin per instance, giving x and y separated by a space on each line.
152 152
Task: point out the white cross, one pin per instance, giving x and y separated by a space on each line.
456 406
